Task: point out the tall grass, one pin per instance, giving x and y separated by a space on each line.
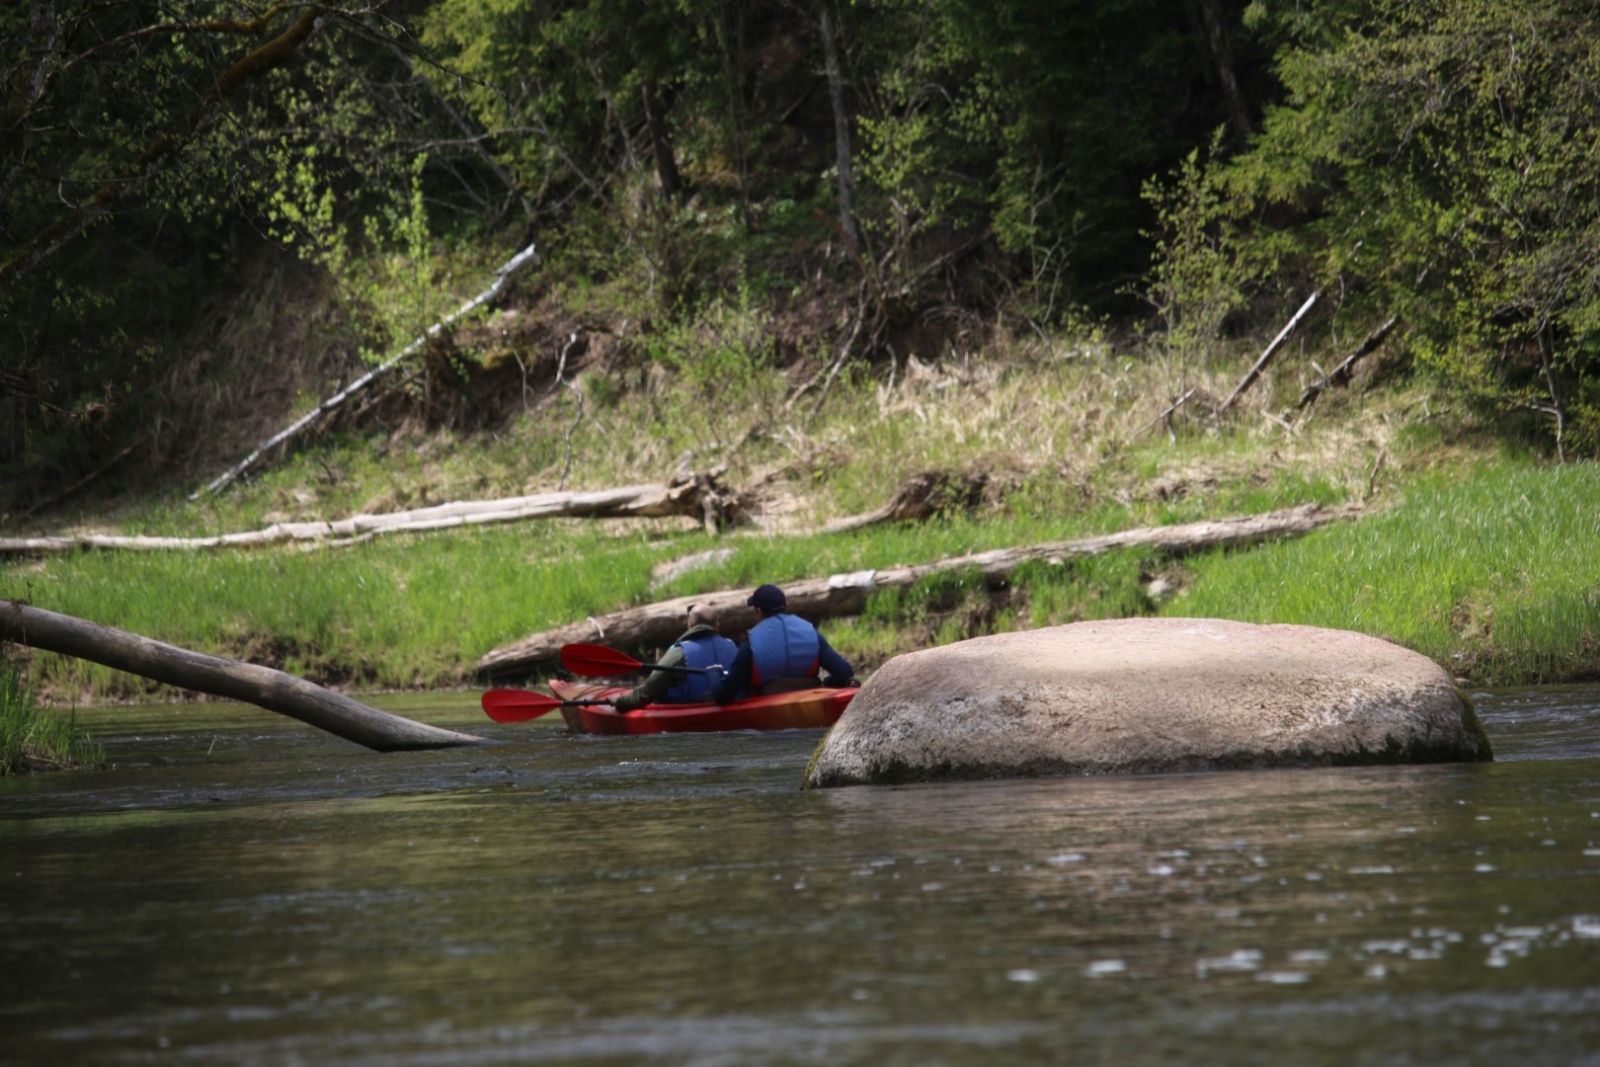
1495 573
34 739
1060 429
1064 434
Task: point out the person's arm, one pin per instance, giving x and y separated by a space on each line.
655 687
737 680
840 673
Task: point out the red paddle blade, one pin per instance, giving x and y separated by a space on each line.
596 660
517 705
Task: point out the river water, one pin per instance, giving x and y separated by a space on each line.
240 889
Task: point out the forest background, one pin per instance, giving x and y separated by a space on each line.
818 247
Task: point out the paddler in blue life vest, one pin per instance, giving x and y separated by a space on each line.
701 646
782 653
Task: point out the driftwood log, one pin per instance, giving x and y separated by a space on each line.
262 686
656 625
922 497
698 496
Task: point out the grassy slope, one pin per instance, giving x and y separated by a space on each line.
1065 434
1492 571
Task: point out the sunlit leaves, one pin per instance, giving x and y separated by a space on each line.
1445 153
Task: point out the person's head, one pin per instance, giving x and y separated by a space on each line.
702 615
768 600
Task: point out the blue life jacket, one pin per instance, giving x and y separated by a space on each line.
782 646
701 652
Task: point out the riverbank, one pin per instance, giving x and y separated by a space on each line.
1474 557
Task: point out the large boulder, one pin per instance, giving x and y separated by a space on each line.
1148 695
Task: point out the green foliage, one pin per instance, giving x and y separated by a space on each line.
130 191
1444 154
34 739
1024 117
1203 270
722 352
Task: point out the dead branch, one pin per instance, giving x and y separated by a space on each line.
218 676
501 277
1340 375
922 497
1272 350
657 625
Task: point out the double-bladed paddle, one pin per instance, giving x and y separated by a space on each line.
519 705
600 660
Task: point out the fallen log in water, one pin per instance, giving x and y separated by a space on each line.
697 496
248 682
656 625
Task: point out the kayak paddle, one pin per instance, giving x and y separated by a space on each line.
519 705
600 660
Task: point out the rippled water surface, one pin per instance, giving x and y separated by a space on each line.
240 889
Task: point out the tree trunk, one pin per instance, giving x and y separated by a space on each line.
841 128
661 143
248 682
659 624
693 495
1216 34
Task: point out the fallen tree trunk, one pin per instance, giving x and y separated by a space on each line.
1340 375
656 625
1271 350
247 682
922 497
695 495
501 277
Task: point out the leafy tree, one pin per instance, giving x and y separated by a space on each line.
1445 159
136 141
1039 121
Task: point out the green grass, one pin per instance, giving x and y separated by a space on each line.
1494 576
1494 573
417 611
34 739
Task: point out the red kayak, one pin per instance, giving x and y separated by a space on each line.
799 710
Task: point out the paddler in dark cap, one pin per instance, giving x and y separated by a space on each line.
781 653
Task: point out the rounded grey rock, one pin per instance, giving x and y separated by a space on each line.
1131 696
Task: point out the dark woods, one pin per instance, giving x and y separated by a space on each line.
203 213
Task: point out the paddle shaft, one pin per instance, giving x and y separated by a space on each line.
600 660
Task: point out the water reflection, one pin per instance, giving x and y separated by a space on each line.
244 891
